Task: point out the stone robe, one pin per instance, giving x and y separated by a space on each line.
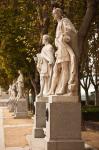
20 86
66 43
45 64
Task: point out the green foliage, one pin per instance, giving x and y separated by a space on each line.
4 79
90 109
22 24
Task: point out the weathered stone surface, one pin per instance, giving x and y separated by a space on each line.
2 142
63 128
40 117
65 145
21 109
11 105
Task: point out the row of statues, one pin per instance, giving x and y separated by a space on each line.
58 70
16 90
17 98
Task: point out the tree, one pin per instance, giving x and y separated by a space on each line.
94 51
22 24
86 23
85 80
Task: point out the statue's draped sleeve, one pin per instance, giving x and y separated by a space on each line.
70 35
47 54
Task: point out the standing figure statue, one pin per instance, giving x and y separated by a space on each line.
20 85
13 90
9 91
45 65
64 79
12 96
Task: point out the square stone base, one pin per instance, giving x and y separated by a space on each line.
63 125
64 145
21 109
38 132
40 117
41 144
63 120
21 115
11 105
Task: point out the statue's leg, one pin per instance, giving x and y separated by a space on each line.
73 80
20 92
42 83
54 80
45 91
50 77
73 69
64 77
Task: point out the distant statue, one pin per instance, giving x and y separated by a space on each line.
12 96
45 65
13 90
20 85
9 91
64 79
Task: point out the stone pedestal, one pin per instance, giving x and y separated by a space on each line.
11 105
40 117
63 125
21 108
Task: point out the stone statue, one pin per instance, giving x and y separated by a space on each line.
20 85
9 91
12 96
13 90
45 65
64 79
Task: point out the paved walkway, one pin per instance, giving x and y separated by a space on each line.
3 102
2 145
17 148
2 142
19 125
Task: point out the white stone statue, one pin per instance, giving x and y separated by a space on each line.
12 96
9 91
45 65
64 79
13 91
20 85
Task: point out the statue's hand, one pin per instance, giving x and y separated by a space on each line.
66 38
50 62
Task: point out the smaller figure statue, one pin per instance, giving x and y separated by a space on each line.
9 91
20 85
45 65
13 90
12 96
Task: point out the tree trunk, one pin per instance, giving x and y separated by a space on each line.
87 96
85 26
79 87
96 96
34 85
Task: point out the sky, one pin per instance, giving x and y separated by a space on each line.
91 89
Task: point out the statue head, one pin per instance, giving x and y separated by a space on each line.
19 72
14 81
45 39
57 13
